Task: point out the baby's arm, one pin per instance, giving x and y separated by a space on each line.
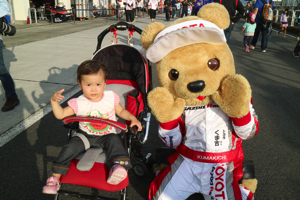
242 30
125 114
58 111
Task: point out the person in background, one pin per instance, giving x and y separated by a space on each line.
232 6
190 8
129 10
249 28
297 47
260 28
178 9
7 82
160 7
153 4
248 10
168 7
118 14
134 10
185 5
32 5
173 8
284 20
193 8
139 8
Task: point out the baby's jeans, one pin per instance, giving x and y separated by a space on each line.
248 40
112 143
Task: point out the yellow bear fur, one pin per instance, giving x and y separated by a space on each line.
230 91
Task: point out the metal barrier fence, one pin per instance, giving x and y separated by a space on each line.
73 14
294 18
291 3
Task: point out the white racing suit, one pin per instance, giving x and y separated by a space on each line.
208 156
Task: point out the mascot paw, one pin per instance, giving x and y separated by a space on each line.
163 105
234 96
250 184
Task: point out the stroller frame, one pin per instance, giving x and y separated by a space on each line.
133 141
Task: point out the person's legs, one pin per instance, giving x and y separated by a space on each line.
131 15
297 49
127 13
250 38
185 13
74 147
117 157
228 31
284 31
245 41
154 15
280 30
168 13
173 11
256 34
264 38
8 85
61 165
116 152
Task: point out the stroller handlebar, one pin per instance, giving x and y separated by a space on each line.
121 26
112 123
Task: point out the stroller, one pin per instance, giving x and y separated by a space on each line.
129 77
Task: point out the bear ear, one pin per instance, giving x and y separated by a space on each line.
215 13
149 33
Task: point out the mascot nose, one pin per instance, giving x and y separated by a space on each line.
196 86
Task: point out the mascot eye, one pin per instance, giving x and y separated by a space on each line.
213 64
173 74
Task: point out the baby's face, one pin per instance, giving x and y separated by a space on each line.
93 85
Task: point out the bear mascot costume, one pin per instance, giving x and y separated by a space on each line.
204 109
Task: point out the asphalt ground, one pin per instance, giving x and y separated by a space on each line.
274 77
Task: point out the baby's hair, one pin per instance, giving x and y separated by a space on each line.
91 67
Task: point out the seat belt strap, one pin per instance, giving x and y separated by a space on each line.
84 140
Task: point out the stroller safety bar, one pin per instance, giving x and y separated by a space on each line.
121 126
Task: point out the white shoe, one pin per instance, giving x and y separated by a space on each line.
264 51
252 47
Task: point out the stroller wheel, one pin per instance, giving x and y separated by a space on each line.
140 169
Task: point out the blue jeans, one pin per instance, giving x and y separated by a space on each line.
264 36
173 11
248 40
297 48
112 143
7 81
228 31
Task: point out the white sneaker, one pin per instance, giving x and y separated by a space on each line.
264 51
252 47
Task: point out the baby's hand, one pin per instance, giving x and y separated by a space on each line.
57 96
136 122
